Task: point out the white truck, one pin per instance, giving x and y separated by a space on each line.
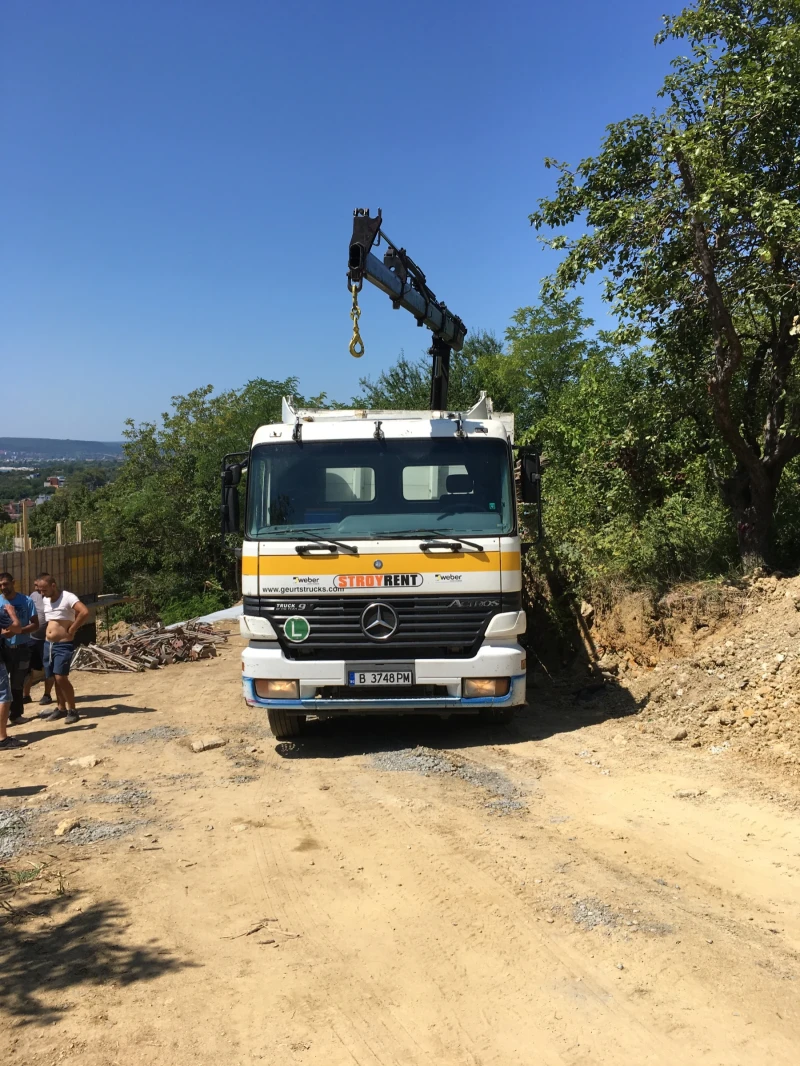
381 555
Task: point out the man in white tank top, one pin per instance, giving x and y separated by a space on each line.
65 614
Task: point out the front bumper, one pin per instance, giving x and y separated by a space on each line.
260 661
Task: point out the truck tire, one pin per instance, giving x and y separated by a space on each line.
286 726
497 715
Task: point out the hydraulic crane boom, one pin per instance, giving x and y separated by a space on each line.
405 284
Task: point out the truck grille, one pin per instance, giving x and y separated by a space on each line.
428 626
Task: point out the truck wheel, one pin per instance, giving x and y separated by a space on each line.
497 715
286 726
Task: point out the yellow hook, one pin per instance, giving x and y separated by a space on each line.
356 344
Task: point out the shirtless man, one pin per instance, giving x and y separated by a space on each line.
65 614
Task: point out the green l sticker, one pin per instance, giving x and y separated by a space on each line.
296 629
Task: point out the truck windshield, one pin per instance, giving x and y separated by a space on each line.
373 488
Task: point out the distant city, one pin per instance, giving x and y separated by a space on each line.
32 469
17 452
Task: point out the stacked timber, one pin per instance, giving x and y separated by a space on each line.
150 649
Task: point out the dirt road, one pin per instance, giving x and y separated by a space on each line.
567 891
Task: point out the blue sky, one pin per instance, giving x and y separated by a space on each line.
178 181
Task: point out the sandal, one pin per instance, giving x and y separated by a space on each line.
11 742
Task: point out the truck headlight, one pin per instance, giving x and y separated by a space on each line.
486 686
277 690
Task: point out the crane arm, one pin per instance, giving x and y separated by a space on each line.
406 286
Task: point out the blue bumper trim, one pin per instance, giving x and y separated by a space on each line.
315 706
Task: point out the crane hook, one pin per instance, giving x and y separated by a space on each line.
356 344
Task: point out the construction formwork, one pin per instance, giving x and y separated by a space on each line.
75 567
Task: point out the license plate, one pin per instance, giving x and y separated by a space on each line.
402 675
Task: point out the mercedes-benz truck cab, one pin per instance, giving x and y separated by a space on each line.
381 566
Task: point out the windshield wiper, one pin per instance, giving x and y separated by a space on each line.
325 542
435 539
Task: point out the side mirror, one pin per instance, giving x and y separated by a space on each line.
529 481
531 478
232 475
229 509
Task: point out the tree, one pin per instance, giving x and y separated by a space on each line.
406 386
543 350
694 215
627 493
159 518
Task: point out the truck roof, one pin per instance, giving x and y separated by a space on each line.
326 424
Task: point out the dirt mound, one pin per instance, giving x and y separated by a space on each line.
642 629
737 687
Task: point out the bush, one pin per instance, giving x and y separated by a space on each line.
182 610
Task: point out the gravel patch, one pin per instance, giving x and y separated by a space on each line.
92 832
507 797
126 797
149 736
178 779
415 760
15 831
56 803
592 913
505 806
241 758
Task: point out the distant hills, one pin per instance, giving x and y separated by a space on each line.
38 448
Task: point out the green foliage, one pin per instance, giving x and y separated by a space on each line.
182 610
16 485
406 386
629 498
543 348
159 519
693 214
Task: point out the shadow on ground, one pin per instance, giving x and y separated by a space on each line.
113 710
557 708
103 698
44 965
568 691
44 734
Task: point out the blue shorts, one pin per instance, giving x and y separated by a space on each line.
57 657
5 686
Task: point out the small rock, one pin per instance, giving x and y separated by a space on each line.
66 826
587 611
609 663
86 762
678 734
206 743
697 743
620 966
252 750
689 793
240 827
209 828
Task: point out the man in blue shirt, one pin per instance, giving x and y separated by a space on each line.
17 649
9 626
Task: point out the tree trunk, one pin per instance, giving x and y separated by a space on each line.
750 494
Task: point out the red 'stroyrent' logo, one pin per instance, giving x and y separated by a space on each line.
377 581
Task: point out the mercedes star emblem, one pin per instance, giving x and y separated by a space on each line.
379 621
